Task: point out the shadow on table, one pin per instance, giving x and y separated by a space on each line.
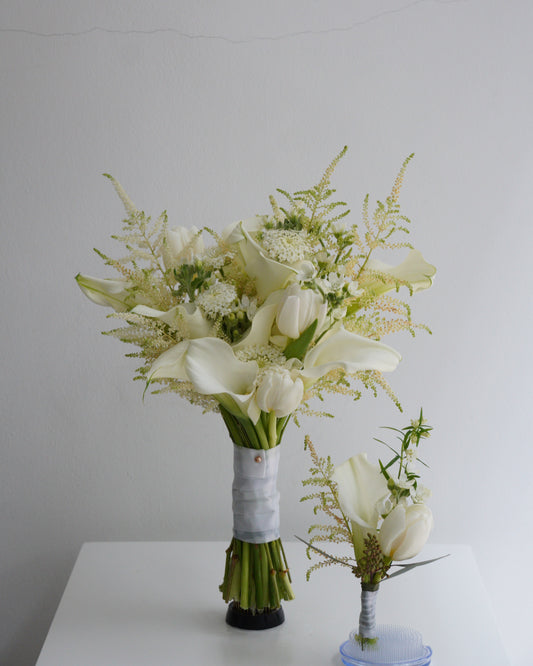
23 628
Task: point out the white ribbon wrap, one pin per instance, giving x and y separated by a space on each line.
367 616
255 496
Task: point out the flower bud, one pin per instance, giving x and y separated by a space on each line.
279 392
182 246
298 309
405 530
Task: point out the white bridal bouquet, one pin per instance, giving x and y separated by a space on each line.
253 323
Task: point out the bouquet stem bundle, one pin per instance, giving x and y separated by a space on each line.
256 575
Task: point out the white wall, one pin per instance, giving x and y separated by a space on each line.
206 119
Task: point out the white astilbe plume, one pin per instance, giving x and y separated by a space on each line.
130 207
265 355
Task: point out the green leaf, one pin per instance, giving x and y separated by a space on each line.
407 567
298 348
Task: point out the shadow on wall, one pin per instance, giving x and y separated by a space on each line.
38 584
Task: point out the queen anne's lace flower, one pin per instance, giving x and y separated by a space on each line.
218 300
285 245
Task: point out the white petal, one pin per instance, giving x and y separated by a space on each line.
171 364
360 487
414 270
298 309
269 275
233 232
102 291
186 318
405 531
419 524
392 530
182 246
252 409
351 352
259 333
289 316
306 270
213 368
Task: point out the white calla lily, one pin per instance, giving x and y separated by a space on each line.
361 489
213 369
171 363
116 294
186 318
351 352
260 330
405 531
269 275
413 270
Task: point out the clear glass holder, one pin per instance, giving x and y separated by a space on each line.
395 646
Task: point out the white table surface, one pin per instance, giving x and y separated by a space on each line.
157 604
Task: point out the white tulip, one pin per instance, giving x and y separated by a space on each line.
182 246
116 294
279 391
298 309
405 531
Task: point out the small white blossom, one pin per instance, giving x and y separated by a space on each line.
336 280
338 313
410 458
385 506
404 482
353 288
219 299
249 305
422 494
